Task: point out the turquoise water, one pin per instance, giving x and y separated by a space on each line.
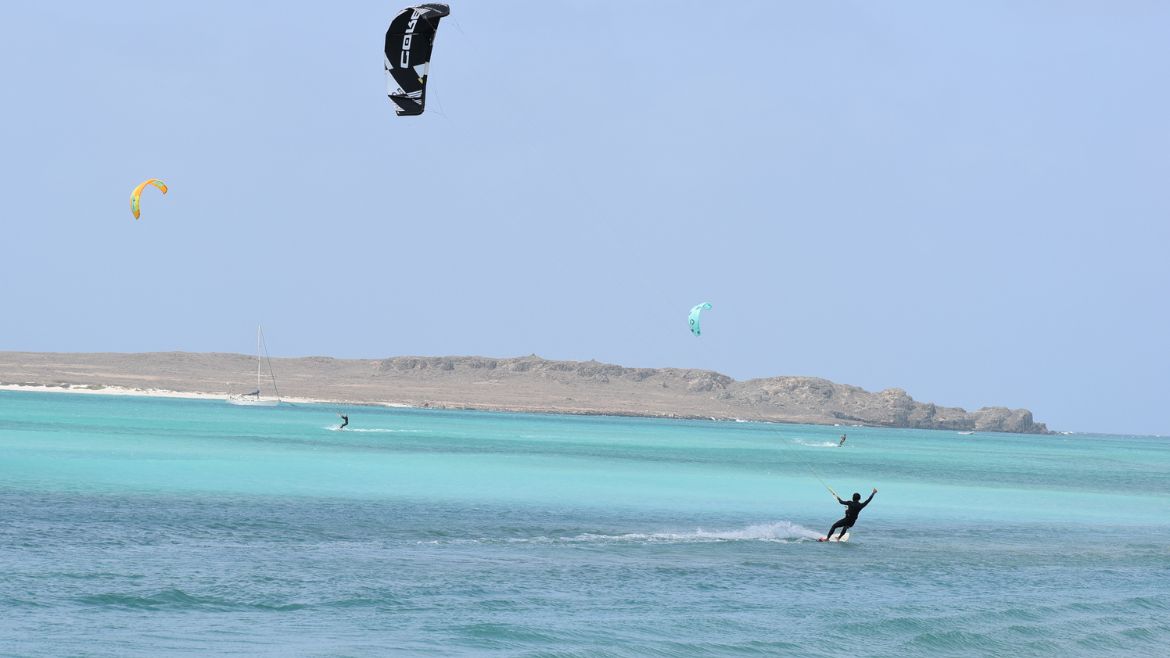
133 526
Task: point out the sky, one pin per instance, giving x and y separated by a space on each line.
966 200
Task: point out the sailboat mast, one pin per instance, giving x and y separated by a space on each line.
259 369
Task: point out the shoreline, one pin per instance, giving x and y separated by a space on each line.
101 389
97 389
122 391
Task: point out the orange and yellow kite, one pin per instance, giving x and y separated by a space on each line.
137 194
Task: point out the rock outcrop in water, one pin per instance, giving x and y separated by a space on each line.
519 384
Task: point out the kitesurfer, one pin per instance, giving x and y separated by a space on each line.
854 508
842 441
344 421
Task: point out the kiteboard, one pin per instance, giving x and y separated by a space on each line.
844 537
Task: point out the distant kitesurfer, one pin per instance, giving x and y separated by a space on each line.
842 441
854 508
344 421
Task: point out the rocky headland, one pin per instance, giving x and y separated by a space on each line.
530 384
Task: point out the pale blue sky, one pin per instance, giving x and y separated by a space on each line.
968 200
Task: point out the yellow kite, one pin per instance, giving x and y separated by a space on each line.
137 193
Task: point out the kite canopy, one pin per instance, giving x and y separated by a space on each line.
408 55
694 319
136 195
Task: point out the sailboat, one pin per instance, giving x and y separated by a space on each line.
254 399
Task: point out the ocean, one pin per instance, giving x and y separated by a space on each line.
135 526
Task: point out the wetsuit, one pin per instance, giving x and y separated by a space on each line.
344 421
853 509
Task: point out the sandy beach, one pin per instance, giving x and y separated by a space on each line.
97 389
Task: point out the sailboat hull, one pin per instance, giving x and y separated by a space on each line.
252 402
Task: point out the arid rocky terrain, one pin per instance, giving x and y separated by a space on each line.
517 384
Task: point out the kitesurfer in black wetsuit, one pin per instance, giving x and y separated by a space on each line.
344 421
854 508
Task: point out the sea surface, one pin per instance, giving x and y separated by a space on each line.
158 527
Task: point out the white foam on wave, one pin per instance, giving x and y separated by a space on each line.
817 444
779 531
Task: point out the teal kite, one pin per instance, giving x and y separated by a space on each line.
705 306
